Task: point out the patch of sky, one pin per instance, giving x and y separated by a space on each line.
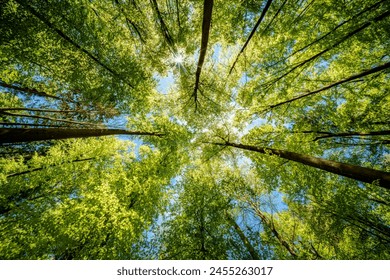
255 123
244 79
164 83
118 122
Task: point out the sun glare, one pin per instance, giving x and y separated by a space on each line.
178 58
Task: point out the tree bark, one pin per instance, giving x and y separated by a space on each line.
266 221
207 13
267 5
350 78
334 45
71 41
243 238
16 135
363 174
31 91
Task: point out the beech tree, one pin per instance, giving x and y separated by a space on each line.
194 129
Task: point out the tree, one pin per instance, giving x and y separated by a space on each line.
237 127
12 135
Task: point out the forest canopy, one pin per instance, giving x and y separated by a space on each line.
235 129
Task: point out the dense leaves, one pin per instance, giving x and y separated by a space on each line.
249 129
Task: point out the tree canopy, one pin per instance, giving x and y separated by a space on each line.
136 129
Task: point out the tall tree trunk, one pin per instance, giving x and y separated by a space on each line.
15 135
363 174
252 33
31 91
207 13
270 224
243 238
331 47
350 78
71 41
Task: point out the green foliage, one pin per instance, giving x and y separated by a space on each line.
183 193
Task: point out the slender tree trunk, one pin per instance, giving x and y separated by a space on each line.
207 13
130 22
335 28
334 45
31 91
243 238
38 110
2 112
267 5
273 18
16 135
326 34
41 168
363 174
305 9
350 78
350 134
266 221
163 27
71 41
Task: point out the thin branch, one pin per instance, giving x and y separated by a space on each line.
41 168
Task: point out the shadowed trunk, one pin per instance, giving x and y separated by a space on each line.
331 47
363 174
70 40
252 33
207 13
350 78
16 135
243 238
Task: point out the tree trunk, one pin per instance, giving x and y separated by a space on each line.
243 238
16 135
350 78
363 174
71 41
331 47
270 224
31 91
207 13
252 33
